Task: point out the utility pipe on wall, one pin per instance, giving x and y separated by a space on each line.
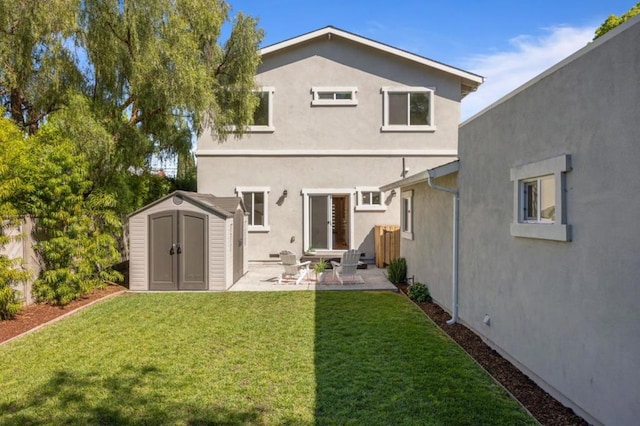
454 273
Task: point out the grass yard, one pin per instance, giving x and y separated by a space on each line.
299 358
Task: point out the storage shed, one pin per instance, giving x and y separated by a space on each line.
188 241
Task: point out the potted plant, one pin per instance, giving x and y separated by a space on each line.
319 267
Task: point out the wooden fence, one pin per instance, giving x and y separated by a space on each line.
387 244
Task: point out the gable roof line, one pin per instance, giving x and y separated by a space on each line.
475 79
594 44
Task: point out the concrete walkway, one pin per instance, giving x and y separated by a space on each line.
264 277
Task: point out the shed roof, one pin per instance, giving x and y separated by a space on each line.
221 206
469 81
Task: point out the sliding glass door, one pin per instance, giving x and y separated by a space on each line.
329 221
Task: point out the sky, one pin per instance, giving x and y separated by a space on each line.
506 41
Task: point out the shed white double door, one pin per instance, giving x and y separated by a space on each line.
178 251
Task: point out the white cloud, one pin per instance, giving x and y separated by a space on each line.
528 57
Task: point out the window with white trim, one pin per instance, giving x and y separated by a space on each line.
407 109
336 96
263 114
369 198
256 201
406 219
538 199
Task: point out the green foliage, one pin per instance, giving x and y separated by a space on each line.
419 292
75 227
320 266
186 177
397 270
613 21
12 145
131 80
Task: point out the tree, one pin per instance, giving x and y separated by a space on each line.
151 73
73 231
613 21
12 147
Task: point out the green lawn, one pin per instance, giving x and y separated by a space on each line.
298 358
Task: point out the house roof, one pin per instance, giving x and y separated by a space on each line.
470 81
222 206
423 176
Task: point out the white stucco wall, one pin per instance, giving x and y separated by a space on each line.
329 146
566 312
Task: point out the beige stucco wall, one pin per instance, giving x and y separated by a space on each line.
310 129
429 255
296 173
566 312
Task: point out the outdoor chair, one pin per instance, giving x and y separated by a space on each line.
293 269
347 267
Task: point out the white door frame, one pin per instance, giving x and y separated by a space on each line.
351 192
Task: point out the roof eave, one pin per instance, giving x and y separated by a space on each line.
423 176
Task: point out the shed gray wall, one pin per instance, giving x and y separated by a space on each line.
219 276
300 126
567 312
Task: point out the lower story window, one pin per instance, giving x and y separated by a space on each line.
256 202
369 198
406 219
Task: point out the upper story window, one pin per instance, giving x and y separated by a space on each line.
369 199
256 201
263 115
408 109
538 199
334 96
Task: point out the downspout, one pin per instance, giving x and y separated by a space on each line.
454 274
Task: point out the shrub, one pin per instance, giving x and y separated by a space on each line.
9 304
320 266
397 270
419 292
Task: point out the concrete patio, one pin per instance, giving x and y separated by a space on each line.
264 277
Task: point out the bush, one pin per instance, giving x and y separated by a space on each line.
9 304
419 292
397 270
320 266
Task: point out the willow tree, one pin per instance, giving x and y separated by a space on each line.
147 74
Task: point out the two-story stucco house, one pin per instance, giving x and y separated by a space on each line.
340 114
548 248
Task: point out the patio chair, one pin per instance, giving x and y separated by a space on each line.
293 269
347 267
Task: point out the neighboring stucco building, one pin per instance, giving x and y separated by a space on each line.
549 240
340 115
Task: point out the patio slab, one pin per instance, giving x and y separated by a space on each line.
264 277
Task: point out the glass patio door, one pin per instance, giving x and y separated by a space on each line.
329 221
319 222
